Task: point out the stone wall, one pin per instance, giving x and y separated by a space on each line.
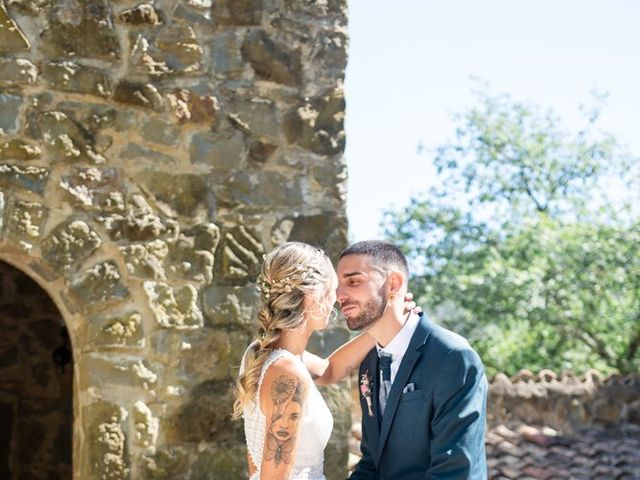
564 402
150 153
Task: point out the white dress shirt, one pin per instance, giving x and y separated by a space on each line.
398 345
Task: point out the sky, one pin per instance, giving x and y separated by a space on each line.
412 65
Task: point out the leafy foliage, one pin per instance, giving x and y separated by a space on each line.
529 242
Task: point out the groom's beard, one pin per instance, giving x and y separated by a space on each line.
371 312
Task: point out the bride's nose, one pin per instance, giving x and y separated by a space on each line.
341 297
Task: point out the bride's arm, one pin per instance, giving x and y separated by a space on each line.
282 398
340 363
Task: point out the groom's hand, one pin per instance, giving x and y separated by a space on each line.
410 305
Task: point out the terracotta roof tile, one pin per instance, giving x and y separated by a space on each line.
590 453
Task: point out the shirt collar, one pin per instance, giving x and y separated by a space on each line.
399 344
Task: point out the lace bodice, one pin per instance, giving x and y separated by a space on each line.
313 432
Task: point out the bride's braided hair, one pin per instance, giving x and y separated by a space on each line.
289 273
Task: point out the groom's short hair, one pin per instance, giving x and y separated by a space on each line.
383 254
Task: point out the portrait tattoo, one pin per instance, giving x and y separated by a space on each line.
287 395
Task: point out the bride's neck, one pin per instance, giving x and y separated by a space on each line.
294 341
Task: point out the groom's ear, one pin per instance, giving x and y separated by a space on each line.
395 280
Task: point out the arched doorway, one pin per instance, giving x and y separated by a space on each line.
36 382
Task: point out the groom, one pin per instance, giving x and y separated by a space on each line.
422 388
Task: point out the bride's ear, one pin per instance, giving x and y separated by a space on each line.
309 301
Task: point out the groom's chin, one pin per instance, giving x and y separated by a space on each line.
354 323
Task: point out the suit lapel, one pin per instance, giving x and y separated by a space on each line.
409 360
373 426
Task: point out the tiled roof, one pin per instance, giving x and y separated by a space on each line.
527 452
564 401
595 420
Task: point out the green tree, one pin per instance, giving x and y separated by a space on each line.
529 242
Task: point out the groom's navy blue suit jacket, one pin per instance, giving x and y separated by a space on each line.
435 431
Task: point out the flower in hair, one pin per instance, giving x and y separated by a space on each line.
264 333
263 286
285 284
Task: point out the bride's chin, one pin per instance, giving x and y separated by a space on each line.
324 325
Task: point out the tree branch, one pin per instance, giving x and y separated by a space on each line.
634 343
539 206
601 348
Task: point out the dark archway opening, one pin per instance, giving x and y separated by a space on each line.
36 382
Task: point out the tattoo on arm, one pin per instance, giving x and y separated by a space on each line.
287 395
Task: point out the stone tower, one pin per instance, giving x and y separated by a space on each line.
150 153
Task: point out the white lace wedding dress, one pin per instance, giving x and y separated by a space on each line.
313 432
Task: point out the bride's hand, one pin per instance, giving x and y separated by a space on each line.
410 305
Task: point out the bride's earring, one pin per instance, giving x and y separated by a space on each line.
324 312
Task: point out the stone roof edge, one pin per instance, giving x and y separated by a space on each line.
545 376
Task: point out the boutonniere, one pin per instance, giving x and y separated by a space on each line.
365 390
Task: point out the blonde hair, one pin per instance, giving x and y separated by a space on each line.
289 273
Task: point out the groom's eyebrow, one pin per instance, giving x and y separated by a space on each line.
352 274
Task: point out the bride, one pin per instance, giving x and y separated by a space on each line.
287 423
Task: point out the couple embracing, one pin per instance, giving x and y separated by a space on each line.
422 388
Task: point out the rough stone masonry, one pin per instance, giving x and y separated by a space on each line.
150 153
